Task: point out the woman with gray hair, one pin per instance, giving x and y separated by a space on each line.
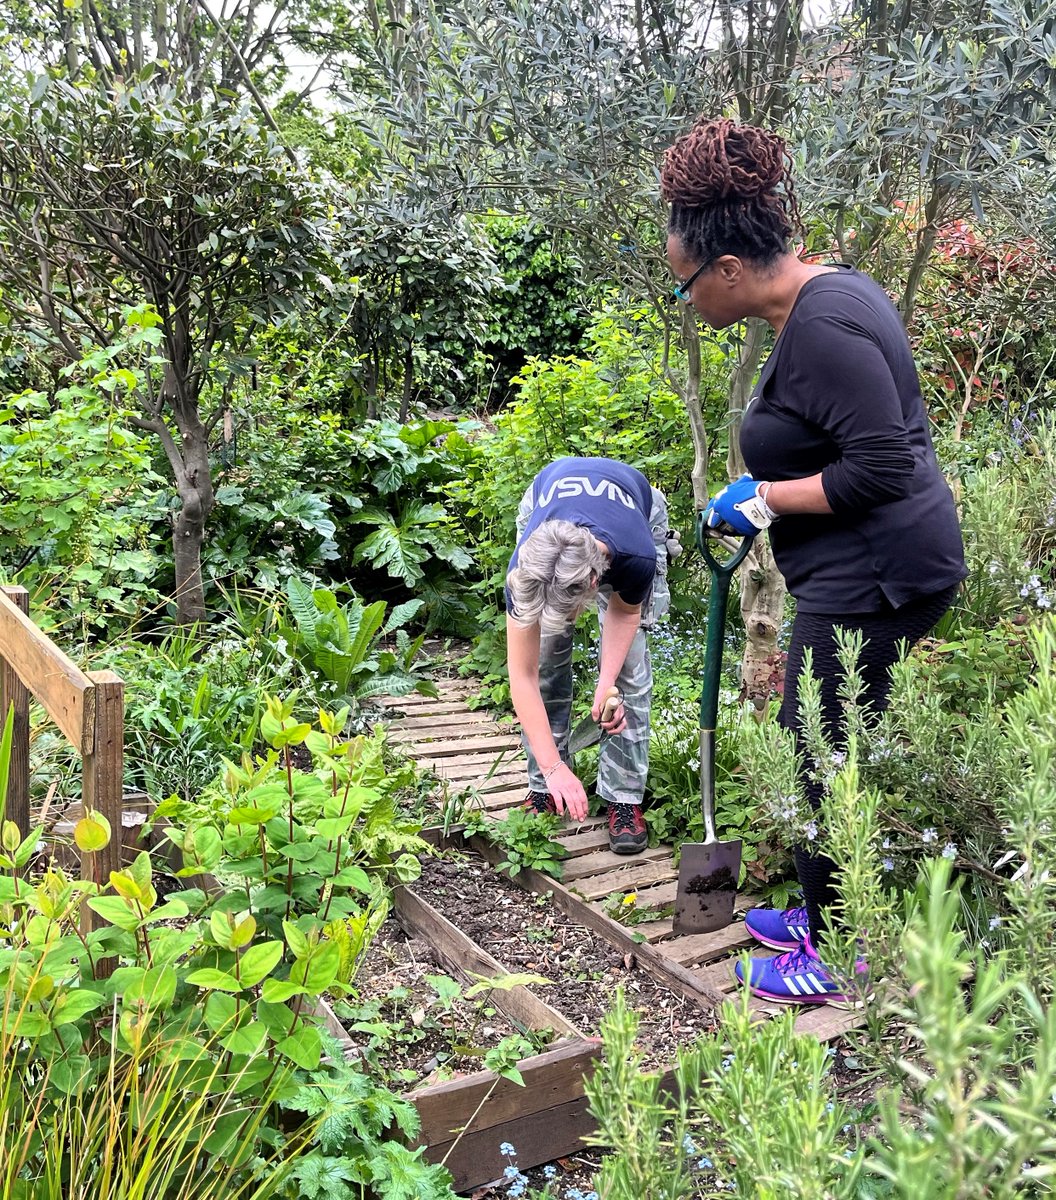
588 529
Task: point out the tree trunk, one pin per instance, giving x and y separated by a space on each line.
691 399
762 585
192 473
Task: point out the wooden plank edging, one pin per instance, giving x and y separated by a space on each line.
60 686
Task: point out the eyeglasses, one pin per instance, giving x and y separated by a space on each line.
681 290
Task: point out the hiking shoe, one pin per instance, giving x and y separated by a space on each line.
781 928
539 802
627 831
796 977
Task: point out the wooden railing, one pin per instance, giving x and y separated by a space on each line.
89 709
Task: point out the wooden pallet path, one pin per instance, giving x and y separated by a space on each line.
472 753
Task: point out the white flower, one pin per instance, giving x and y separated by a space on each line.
929 836
949 850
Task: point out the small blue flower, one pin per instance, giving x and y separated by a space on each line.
689 1145
829 1106
994 922
704 1164
550 1171
517 1188
887 864
810 831
511 1172
507 1149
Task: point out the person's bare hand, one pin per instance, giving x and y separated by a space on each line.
568 793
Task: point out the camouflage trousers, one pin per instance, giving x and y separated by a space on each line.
623 766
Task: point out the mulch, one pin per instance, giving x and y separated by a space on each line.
528 933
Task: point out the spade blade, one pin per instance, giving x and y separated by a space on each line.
707 886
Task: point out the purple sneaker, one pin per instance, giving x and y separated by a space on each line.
781 928
797 977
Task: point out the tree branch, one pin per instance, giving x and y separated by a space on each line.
247 79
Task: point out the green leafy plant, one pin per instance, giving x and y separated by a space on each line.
526 839
209 1016
343 643
75 472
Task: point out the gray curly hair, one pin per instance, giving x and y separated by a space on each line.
556 577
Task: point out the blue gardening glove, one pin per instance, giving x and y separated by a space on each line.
739 507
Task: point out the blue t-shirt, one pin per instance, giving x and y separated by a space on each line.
610 499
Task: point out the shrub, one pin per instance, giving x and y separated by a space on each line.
186 1070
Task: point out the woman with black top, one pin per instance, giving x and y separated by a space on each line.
842 470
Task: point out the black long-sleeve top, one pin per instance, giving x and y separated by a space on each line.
840 394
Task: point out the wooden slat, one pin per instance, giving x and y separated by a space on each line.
14 697
627 880
658 931
605 860
492 744
459 716
551 1078
462 955
403 735
584 841
103 778
538 1137
478 764
505 779
826 1022
427 708
703 947
59 685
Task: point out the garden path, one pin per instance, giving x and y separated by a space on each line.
471 752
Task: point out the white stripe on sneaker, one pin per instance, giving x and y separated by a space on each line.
804 982
819 986
790 983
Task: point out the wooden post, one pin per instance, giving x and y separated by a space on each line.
103 749
14 692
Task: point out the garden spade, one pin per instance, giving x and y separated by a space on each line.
589 731
708 871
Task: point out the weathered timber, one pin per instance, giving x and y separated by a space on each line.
538 1137
550 1079
104 769
60 686
495 744
14 698
627 880
606 860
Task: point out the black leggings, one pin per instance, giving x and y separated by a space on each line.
882 634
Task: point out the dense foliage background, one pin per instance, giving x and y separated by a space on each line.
279 351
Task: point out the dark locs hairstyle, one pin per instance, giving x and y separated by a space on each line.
730 191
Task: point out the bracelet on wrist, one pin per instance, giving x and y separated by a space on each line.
764 493
550 770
